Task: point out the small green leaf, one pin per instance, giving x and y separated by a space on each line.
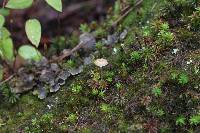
29 53
33 31
183 79
4 33
4 11
181 121
157 91
6 46
19 4
195 120
2 20
56 4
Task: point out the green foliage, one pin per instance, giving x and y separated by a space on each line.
84 28
130 19
132 2
6 45
195 19
4 11
76 88
29 53
164 26
95 76
174 75
95 92
183 2
156 91
56 4
32 28
119 86
70 63
105 108
46 118
195 119
117 8
99 46
4 33
72 118
180 121
1 72
162 31
109 76
34 121
165 36
19 4
2 20
183 79
101 93
146 31
2 123
156 110
33 31
8 95
135 56
100 32
58 44
13 98
6 49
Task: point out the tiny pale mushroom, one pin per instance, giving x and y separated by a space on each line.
101 62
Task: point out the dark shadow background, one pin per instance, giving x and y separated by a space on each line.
53 23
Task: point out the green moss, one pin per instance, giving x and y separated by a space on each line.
145 87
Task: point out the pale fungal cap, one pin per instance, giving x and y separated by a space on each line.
101 62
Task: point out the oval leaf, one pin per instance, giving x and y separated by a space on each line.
4 33
19 4
6 46
4 11
29 53
2 20
56 4
33 31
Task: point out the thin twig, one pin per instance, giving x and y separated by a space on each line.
137 3
65 55
6 80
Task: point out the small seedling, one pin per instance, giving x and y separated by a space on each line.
101 93
118 86
164 26
157 91
146 31
105 108
46 118
76 88
72 118
180 121
84 28
95 92
183 79
195 120
135 56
